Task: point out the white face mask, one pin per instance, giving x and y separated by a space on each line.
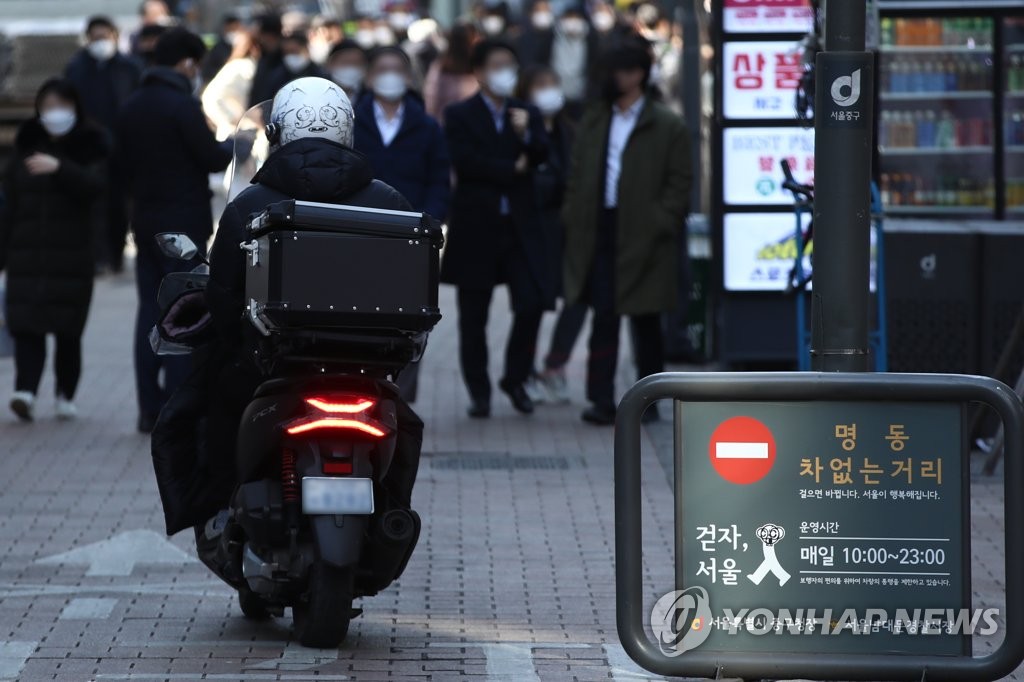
233 37
365 38
603 21
348 77
389 86
102 50
502 82
543 20
383 35
573 26
58 122
549 100
295 62
400 20
318 51
493 25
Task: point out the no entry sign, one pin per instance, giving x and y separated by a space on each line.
742 450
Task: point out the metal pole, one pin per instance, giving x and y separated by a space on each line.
843 123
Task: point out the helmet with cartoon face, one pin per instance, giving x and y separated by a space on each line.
312 108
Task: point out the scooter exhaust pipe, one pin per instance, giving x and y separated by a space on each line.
390 545
397 527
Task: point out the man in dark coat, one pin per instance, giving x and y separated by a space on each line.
295 63
625 213
496 142
405 146
268 38
167 152
104 79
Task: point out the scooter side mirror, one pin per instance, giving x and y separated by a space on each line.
177 245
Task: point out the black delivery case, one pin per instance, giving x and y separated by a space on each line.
312 265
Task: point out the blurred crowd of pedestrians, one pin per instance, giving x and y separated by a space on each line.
549 144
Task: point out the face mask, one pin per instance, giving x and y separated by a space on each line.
389 86
102 50
502 82
493 25
543 20
233 38
319 50
399 20
364 37
383 35
603 21
58 121
573 26
197 84
549 100
295 62
348 77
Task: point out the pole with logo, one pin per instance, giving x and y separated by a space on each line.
843 124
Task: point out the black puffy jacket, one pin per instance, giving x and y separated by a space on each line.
308 170
46 229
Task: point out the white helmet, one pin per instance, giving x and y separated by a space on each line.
312 107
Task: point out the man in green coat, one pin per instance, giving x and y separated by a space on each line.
624 212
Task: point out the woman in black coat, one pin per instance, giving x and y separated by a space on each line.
57 171
539 85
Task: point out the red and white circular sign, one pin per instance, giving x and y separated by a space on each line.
742 450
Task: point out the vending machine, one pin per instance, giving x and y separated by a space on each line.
951 91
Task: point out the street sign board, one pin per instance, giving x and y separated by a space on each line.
820 512
889 533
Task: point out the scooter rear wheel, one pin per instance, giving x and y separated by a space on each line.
322 615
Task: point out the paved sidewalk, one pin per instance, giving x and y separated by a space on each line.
513 579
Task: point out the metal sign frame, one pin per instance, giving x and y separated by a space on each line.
797 387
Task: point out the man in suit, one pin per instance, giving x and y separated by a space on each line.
496 142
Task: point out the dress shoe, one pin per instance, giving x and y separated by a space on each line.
479 409
518 395
599 416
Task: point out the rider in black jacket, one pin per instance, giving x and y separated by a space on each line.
311 160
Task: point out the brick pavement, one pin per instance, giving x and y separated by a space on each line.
513 578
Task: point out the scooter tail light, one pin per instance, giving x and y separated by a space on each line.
349 405
308 425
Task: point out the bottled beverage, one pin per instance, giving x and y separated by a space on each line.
945 131
888 32
916 78
899 76
949 75
885 128
900 32
1015 74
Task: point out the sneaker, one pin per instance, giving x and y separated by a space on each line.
23 404
555 385
535 389
66 409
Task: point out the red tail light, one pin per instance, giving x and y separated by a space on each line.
349 406
334 423
326 414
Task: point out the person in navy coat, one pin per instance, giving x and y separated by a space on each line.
405 147
495 235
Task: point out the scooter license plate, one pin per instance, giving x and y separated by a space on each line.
337 495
